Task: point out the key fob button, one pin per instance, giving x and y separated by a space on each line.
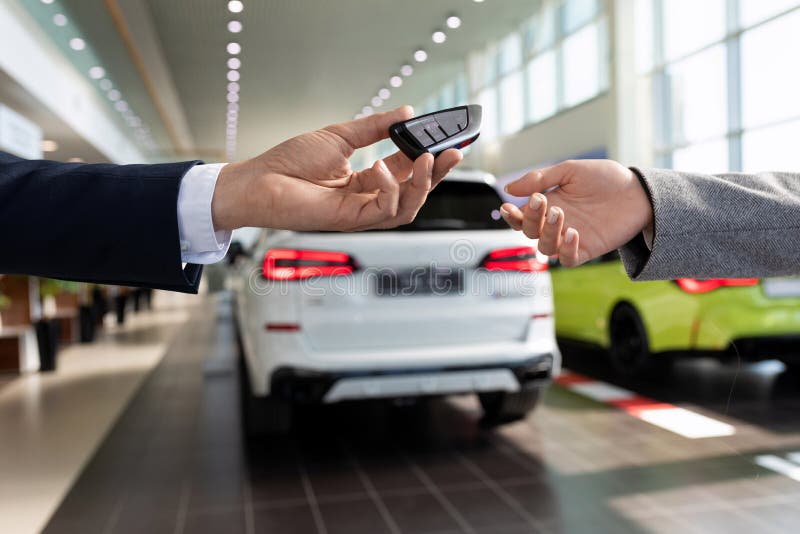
452 122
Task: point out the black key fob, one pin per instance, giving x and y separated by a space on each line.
437 131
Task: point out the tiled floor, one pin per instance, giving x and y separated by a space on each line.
176 462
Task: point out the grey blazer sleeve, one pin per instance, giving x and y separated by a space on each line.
718 226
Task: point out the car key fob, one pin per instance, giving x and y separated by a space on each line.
437 131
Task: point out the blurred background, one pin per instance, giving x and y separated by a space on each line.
529 398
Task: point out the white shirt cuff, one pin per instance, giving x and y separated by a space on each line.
199 242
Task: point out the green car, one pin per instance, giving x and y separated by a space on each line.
644 324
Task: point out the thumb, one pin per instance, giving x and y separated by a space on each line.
538 181
371 129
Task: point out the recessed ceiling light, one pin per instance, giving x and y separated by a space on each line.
233 87
420 55
384 94
234 63
233 106
114 95
367 110
106 84
234 48
233 76
478 1
76 43
59 19
233 97
453 22
395 81
96 73
121 105
48 145
406 70
377 101
439 37
235 6
47 1
234 26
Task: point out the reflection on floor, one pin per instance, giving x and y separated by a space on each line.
176 462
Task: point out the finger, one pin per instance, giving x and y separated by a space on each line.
512 215
539 180
368 130
533 215
445 163
383 205
550 238
414 192
568 252
399 165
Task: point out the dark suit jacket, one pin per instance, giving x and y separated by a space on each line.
103 223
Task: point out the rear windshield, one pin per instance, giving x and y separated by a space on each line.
459 206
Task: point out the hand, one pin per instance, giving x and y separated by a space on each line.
306 183
600 203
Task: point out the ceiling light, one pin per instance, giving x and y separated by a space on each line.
395 81
47 1
367 110
121 105
234 48
406 70
420 55
59 19
384 94
233 76
478 1
233 97
377 101
106 84
234 26
134 122
233 106
76 43
439 37
96 73
453 22
48 145
114 95
235 6
234 63
233 87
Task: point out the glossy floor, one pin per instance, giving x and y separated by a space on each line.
175 460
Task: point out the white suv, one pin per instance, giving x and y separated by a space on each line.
454 302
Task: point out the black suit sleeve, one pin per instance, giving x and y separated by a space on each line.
103 223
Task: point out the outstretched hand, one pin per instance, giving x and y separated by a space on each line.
597 206
306 183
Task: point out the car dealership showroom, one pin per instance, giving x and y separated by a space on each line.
399 266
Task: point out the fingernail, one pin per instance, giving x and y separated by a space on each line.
382 166
536 202
552 216
504 212
506 189
569 236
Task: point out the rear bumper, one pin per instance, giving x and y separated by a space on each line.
307 386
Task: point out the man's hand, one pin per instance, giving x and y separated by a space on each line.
306 183
598 206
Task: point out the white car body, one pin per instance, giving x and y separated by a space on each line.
334 338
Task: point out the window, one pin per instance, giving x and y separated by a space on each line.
689 25
576 13
771 86
512 104
754 11
488 99
542 98
709 157
581 65
772 149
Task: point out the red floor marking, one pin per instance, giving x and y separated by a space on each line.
568 377
638 404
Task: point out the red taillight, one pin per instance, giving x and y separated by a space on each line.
290 264
282 327
521 259
691 285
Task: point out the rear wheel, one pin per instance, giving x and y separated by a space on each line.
262 416
504 407
630 348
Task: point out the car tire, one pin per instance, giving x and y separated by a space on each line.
500 407
630 349
262 416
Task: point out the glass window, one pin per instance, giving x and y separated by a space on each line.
691 24
488 99
478 65
581 55
645 38
541 77
540 30
461 90
446 98
710 157
510 54
772 149
512 105
576 13
770 82
698 96
754 11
